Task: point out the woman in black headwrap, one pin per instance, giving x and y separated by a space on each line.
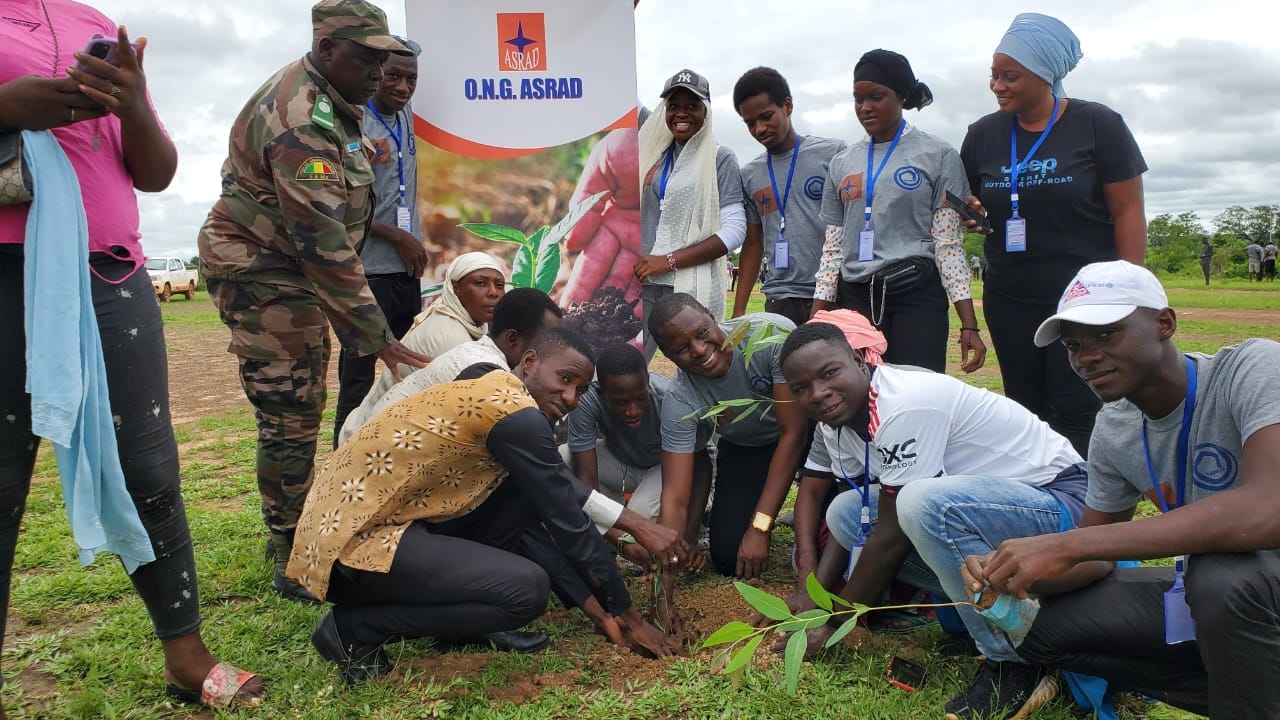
1079 200
894 251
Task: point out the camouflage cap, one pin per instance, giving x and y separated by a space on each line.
356 20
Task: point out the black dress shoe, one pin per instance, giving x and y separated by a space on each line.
355 664
521 641
291 590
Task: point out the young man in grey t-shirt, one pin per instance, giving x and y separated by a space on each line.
393 255
1199 436
782 192
615 433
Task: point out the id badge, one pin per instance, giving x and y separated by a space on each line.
402 219
866 245
854 553
1179 627
781 255
1015 234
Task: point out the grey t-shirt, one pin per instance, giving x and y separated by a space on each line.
907 192
693 393
379 255
805 228
639 448
728 180
1237 394
1254 251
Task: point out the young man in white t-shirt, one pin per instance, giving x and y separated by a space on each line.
1205 430
959 468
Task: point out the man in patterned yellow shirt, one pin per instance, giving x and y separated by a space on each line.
451 515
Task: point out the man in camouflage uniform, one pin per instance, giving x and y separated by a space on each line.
280 249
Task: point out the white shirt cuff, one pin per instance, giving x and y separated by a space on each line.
602 510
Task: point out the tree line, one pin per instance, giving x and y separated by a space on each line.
1173 241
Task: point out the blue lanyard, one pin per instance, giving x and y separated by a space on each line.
865 488
667 165
871 179
1013 152
396 135
773 181
1184 437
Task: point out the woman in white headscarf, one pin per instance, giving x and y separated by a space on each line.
691 213
1077 200
473 284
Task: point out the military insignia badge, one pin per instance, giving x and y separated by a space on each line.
317 168
322 112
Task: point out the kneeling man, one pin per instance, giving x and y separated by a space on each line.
959 468
445 514
1199 436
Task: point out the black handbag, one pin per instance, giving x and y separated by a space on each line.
903 276
15 178
898 278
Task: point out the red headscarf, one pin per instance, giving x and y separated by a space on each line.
859 331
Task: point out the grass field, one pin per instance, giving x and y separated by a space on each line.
80 643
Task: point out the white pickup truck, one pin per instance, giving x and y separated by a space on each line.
170 275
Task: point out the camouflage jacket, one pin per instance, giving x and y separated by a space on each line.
296 202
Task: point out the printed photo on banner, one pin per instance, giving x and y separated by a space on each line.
527 122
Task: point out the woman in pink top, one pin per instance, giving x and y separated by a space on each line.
103 121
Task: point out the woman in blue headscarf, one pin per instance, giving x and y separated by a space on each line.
1061 181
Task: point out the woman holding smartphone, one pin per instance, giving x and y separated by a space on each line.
1061 181
894 251
104 142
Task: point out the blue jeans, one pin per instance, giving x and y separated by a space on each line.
951 517
844 519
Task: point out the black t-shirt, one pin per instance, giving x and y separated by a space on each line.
1060 195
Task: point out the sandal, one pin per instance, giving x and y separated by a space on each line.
220 689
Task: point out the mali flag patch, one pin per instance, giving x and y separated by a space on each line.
317 168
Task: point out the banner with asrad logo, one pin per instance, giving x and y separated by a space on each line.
528 116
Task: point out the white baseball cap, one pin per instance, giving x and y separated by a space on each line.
1103 293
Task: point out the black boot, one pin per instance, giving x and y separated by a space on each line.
283 544
355 664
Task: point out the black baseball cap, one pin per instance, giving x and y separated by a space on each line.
689 80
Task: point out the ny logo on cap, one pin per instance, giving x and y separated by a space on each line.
684 77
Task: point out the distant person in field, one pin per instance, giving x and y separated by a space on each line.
1206 256
1269 262
1254 269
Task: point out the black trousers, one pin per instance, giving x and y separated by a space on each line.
792 308
133 347
1040 379
914 323
740 474
400 298
478 574
1205 263
1115 629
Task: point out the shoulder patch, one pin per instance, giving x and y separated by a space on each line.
322 112
318 169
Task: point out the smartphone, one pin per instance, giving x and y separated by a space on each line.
955 202
104 48
904 674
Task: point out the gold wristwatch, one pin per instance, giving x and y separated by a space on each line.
762 522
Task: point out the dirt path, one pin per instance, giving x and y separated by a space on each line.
204 378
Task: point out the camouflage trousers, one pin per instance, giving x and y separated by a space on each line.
281 337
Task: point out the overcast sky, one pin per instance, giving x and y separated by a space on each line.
1198 83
